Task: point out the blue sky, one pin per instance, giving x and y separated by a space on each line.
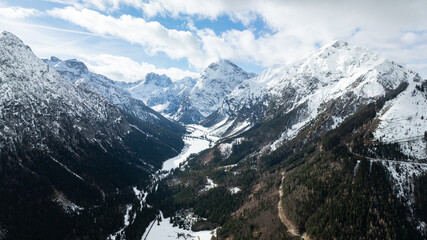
125 39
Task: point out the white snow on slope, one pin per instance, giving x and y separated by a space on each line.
336 71
235 190
77 73
127 220
160 93
403 175
215 82
37 98
166 231
209 185
142 196
66 204
404 120
197 139
226 149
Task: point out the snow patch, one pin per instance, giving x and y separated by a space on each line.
288 134
66 204
234 190
127 220
226 149
197 139
209 185
142 196
241 127
356 167
164 230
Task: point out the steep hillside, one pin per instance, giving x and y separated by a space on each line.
67 154
331 147
337 77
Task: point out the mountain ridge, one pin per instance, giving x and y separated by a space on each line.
77 73
336 68
66 151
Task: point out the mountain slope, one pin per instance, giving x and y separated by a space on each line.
331 144
66 153
336 76
77 73
160 93
214 83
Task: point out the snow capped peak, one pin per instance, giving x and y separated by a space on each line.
10 38
158 80
188 81
223 63
336 72
70 69
54 59
221 69
217 81
77 65
338 44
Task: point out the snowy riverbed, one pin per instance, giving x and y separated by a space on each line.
196 140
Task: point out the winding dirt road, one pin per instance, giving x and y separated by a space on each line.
292 230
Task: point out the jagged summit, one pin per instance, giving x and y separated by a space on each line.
71 69
10 38
221 69
215 82
338 44
28 81
158 80
54 59
221 63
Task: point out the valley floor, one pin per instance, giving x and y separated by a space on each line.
163 229
196 140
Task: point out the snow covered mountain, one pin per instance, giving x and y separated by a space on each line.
337 79
343 131
215 82
76 72
160 93
189 100
64 148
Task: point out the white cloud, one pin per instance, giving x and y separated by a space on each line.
394 28
121 68
387 26
102 5
199 47
152 35
17 12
